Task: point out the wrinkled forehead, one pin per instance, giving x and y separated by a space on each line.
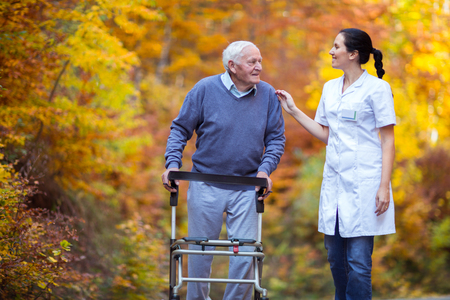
250 52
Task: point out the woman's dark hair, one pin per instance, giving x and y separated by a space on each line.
356 39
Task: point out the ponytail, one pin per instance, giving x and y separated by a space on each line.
358 40
378 56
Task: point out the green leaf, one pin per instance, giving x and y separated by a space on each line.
65 245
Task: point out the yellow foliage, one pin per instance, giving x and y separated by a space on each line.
89 89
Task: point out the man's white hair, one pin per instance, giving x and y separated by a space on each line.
234 52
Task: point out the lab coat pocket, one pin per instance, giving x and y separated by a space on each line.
350 113
369 163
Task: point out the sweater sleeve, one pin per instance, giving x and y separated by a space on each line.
182 129
274 139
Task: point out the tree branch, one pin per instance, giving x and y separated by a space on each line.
57 80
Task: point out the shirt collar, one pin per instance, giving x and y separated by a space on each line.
355 84
358 81
361 78
229 84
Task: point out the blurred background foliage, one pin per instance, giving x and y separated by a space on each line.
88 89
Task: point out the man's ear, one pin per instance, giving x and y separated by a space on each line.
232 66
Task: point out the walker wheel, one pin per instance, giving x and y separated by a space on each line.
175 297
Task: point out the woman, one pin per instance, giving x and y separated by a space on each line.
356 119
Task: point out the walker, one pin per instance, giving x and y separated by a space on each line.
177 252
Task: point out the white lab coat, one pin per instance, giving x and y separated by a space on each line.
352 171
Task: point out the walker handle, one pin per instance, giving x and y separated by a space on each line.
259 203
223 179
214 178
173 195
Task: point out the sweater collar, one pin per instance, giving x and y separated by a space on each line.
229 85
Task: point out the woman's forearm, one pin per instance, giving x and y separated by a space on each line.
388 154
317 130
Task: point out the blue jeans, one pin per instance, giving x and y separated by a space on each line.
351 265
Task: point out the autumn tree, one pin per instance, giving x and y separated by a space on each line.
68 112
89 89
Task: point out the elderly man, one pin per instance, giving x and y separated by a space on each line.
240 131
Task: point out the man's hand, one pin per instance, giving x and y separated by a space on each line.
269 185
165 180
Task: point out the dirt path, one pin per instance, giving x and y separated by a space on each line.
426 298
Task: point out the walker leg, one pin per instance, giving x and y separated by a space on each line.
173 270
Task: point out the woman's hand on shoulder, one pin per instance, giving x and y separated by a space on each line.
286 101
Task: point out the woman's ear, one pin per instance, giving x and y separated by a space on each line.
353 55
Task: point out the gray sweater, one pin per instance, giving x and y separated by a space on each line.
235 136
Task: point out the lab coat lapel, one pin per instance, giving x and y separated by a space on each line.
355 86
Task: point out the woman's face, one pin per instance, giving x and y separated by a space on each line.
340 56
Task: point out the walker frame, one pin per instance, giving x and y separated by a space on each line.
176 278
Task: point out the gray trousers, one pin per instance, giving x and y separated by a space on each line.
206 205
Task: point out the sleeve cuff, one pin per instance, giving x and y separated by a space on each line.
173 165
263 168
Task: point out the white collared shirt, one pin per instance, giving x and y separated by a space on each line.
352 171
229 84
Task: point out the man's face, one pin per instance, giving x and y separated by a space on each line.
246 71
